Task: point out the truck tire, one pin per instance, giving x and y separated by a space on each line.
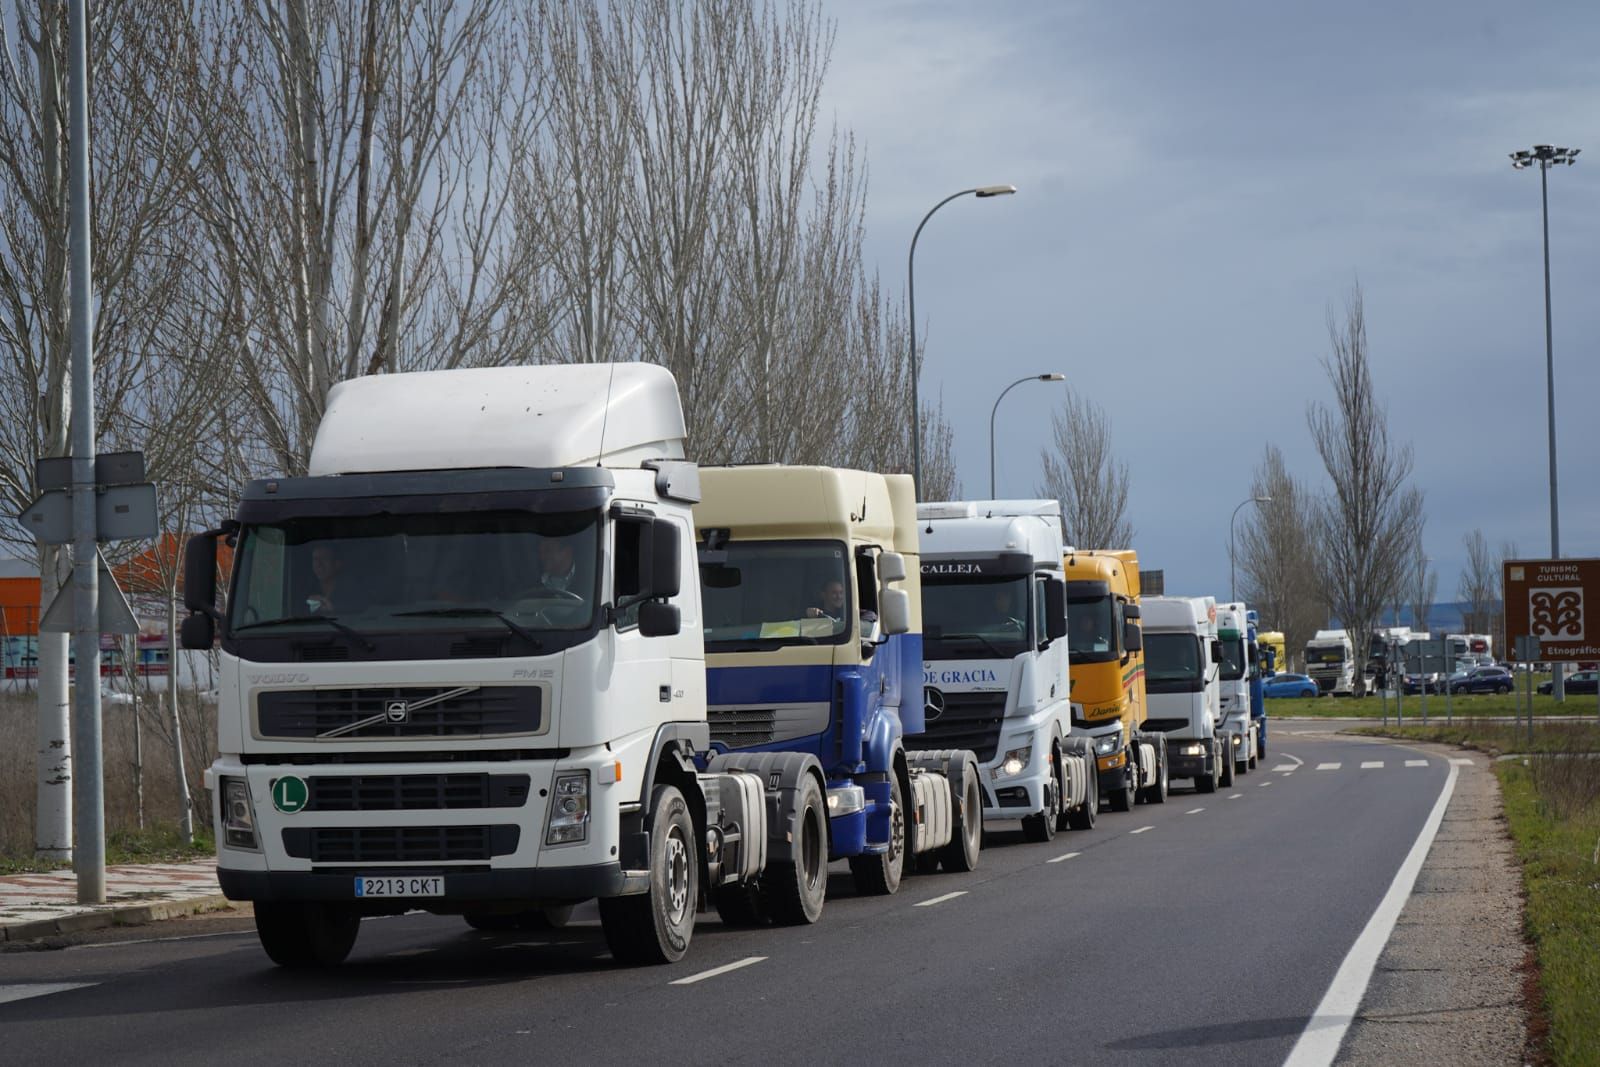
880 875
306 934
1040 827
796 891
1206 783
1123 799
655 926
1226 776
966 836
1083 816
1157 793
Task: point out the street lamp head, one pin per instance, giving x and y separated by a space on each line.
1052 377
1545 156
994 190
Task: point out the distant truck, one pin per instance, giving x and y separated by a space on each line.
1235 671
1331 662
1109 703
459 672
995 661
1182 662
813 629
1272 652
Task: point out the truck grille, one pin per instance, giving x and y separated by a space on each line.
400 844
969 720
742 727
415 792
308 714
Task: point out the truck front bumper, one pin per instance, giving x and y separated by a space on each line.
1182 762
551 884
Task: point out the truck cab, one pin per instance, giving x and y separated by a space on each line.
813 633
1331 662
1182 663
995 660
1235 671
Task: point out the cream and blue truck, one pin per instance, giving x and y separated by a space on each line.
813 637
462 671
995 659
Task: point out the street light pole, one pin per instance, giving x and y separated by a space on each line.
1544 157
1232 594
1002 396
982 192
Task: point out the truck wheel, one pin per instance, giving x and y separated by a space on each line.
655 926
309 934
1082 817
1226 759
1158 792
880 875
1123 799
966 837
1040 827
796 891
1206 783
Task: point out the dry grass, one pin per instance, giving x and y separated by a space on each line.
19 743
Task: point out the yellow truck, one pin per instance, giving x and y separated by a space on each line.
1106 649
1279 660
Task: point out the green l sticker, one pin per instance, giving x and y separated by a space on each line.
289 794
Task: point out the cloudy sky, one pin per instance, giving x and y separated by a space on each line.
1200 184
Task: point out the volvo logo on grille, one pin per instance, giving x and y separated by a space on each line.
397 711
932 703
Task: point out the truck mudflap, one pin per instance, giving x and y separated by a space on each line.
943 784
782 775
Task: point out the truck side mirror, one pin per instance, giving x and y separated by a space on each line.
894 611
657 618
197 632
1055 609
666 568
1132 637
891 567
200 574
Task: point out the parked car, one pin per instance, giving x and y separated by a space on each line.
1419 683
1481 680
1289 685
1580 683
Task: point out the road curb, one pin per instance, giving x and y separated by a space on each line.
128 915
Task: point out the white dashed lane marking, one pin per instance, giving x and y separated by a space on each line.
713 972
1235 796
1194 811
939 900
1141 829
1284 768
1263 785
1329 766
1372 765
1063 856
1416 763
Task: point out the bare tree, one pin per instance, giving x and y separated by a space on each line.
1276 558
1421 588
1369 522
1084 474
1479 584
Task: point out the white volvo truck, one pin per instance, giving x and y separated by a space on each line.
1233 685
1181 665
462 671
995 661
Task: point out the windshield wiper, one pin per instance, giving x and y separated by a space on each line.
331 620
469 612
984 641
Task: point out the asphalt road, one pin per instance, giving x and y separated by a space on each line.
1200 931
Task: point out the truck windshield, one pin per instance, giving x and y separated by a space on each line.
1324 655
1090 633
1233 660
975 618
1171 658
359 575
767 594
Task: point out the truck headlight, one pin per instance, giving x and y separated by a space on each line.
238 815
1016 760
846 800
1194 749
568 820
1238 739
1108 744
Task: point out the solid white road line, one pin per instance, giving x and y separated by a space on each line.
713 972
1329 766
1418 762
1194 811
8 993
1324 1032
1141 829
1289 755
1372 765
939 900
1063 856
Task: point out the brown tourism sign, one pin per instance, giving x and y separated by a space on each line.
1548 600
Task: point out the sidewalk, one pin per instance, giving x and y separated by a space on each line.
34 906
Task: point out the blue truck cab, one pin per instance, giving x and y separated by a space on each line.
1263 662
812 617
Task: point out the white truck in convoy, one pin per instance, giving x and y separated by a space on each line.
1331 662
1233 685
462 671
994 626
1182 659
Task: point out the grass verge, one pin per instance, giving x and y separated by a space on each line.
1462 706
1496 739
153 844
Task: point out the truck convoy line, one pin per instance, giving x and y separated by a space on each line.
466 667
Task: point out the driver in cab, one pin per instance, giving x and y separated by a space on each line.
557 569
